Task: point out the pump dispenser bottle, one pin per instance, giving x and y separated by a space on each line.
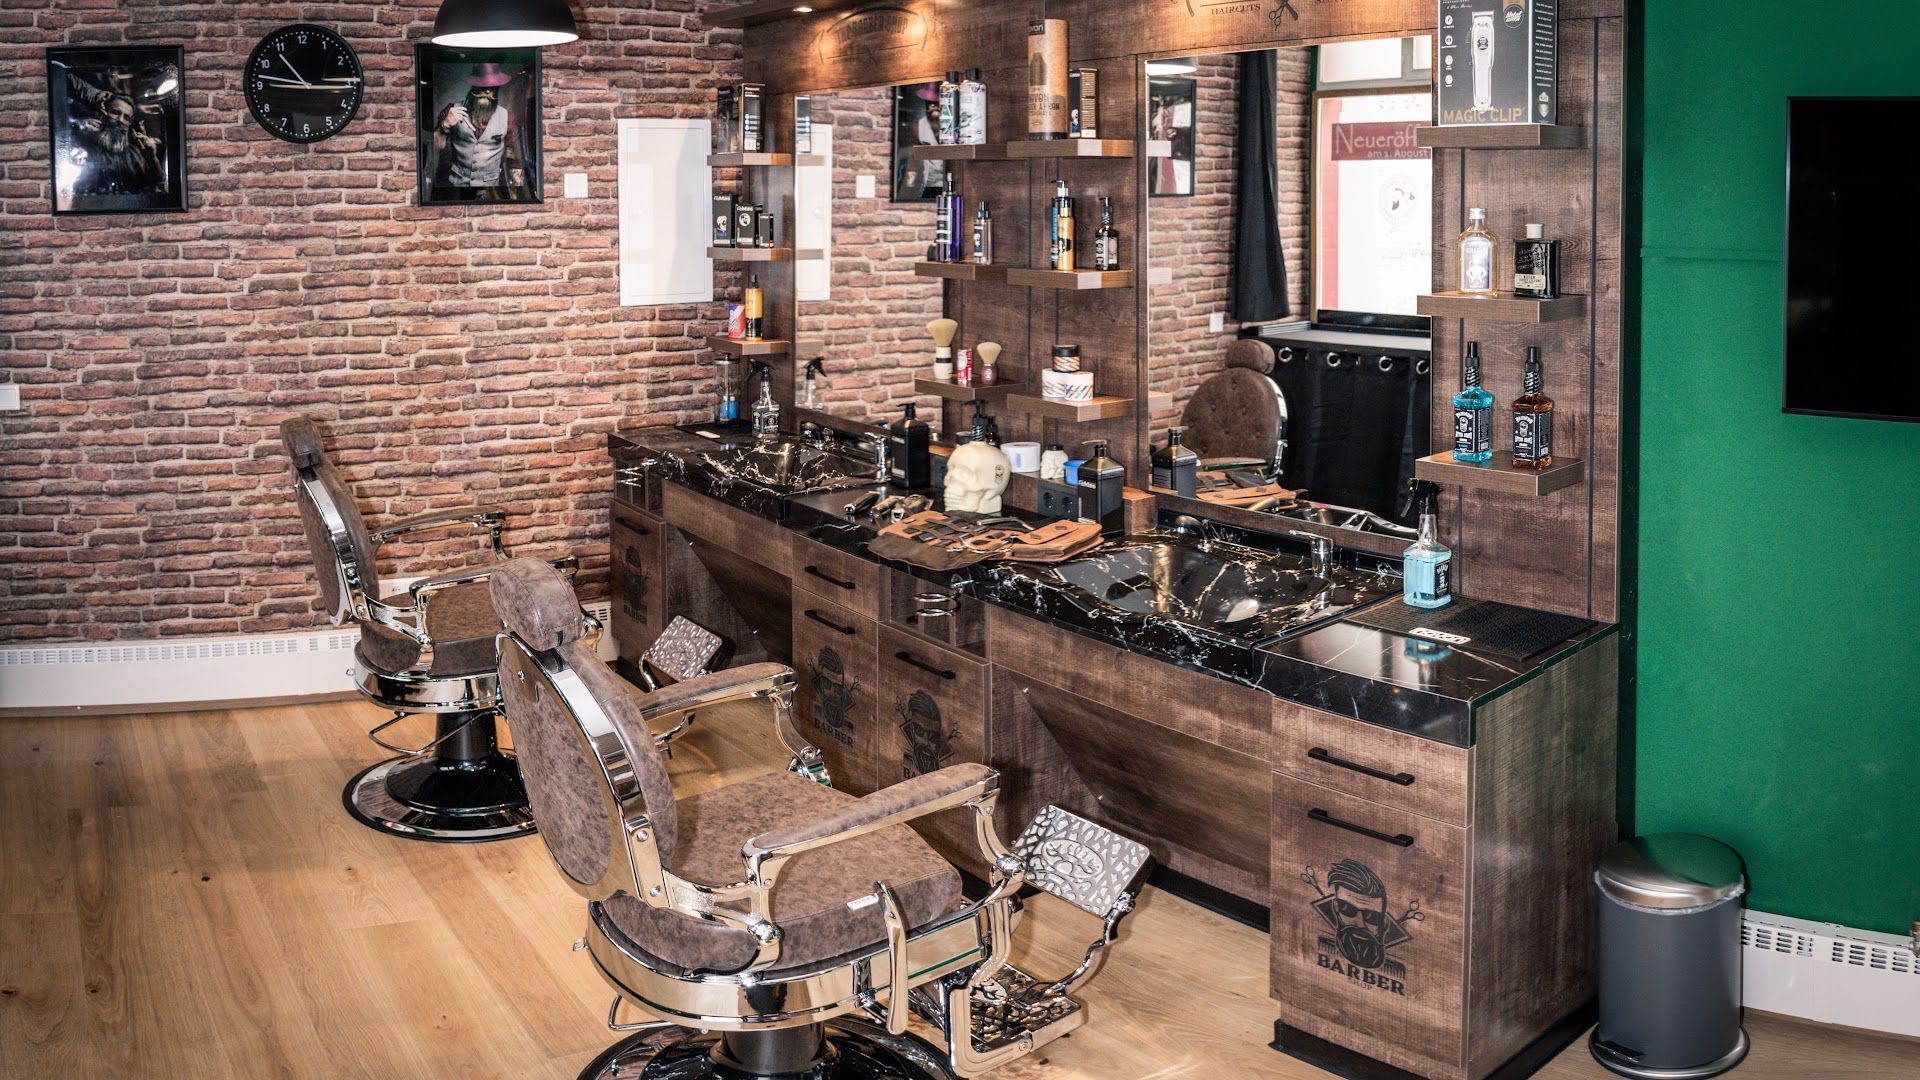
1176 468
1102 481
910 457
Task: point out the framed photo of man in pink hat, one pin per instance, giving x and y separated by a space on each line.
479 127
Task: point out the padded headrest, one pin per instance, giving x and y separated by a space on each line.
536 603
1250 353
301 437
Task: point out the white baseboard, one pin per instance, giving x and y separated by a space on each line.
1830 974
179 673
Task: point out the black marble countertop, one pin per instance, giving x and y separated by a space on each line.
1337 666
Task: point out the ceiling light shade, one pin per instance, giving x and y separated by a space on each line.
504 24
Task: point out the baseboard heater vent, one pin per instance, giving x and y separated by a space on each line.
179 673
1830 974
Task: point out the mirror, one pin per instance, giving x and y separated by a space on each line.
861 309
1320 266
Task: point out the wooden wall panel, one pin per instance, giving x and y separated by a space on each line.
890 42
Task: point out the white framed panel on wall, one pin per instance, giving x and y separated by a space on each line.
666 195
813 219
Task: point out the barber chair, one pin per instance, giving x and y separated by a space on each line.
1239 417
428 651
776 927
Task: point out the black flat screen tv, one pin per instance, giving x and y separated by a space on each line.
1853 257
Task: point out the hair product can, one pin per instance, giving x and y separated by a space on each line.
1047 111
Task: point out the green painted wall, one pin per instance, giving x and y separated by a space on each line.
1779 616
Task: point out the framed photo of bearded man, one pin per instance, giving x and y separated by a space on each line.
117 129
479 125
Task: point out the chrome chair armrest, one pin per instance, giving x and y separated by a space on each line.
493 519
775 682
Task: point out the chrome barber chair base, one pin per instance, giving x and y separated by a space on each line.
855 1050
449 802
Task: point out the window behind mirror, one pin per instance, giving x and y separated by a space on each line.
1372 184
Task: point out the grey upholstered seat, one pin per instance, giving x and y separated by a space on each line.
823 902
1238 413
462 624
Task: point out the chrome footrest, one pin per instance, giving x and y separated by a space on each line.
1013 1007
1089 866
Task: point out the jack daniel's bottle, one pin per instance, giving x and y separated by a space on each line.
1472 412
1533 421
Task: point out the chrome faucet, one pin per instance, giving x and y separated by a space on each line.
1188 525
882 470
1322 551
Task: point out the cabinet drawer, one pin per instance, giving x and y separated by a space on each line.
847 580
834 705
1369 924
745 536
634 581
1393 768
932 713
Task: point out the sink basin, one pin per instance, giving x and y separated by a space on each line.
1218 589
787 467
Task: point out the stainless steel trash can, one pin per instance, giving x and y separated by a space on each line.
1669 958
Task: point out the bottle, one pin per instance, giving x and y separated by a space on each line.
1427 567
983 235
947 217
949 131
756 309
910 453
1053 463
973 109
1472 412
1106 242
1060 228
1533 421
1102 480
809 393
1479 257
1176 468
981 427
729 409
1536 265
766 414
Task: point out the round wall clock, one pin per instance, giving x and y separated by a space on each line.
304 83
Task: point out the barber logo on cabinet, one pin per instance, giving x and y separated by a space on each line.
832 697
929 743
1361 931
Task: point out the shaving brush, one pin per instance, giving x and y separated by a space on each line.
943 331
989 352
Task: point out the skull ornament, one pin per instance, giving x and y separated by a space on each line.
976 475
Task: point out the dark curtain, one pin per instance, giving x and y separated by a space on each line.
1259 267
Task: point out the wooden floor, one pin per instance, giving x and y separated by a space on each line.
181 895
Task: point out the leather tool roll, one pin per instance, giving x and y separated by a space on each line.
938 542
1248 495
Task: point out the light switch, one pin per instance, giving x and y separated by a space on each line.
863 187
576 185
9 396
1216 322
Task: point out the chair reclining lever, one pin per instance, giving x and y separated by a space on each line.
408 751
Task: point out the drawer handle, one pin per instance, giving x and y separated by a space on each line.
830 579
1324 818
1319 753
922 664
828 623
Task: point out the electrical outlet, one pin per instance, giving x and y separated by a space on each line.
1216 322
864 187
1057 501
9 396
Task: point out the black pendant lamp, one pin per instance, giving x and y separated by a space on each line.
504 24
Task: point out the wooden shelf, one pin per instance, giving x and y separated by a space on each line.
763 347
1499 474
1070 279
1501 137
964 152
760 254
1097 408
1073 280
1028 149
960 271
1503 308
741 161
955 392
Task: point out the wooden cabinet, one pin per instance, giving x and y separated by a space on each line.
933 713
634 581
1369 926
835 704
1392 768
847 580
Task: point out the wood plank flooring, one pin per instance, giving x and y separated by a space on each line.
181 895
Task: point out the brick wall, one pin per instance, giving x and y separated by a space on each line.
454 353
875 322
1193 237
